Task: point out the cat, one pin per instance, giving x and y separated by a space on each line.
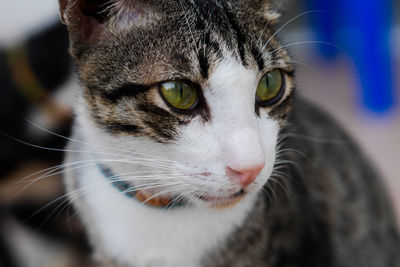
191 148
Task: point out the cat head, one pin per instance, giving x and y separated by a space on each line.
194 91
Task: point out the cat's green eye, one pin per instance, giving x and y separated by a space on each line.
270 88
180 95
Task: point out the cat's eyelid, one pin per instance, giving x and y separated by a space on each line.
286 69
186 81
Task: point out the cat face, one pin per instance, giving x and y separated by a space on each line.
192 93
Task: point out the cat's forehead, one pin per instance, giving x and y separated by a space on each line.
200 25
188 40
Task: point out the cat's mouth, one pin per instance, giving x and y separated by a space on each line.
223 202
214 202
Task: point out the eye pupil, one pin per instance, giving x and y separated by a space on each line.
181 90
268 79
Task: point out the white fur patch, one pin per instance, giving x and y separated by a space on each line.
139 235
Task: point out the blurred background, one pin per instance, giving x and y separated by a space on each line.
348 60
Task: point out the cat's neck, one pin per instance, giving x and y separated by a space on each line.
140 235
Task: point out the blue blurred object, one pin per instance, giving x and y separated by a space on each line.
362 28
324 25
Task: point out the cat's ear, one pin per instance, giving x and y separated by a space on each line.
85 20
269 10
90 22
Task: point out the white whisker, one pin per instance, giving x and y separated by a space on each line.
130 153
163 192
307 42
288 22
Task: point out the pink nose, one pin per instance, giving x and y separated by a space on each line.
244 177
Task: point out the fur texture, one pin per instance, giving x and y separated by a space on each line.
312 204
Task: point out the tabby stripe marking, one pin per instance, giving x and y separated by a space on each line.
127 90
241 40
201 7
116 127
156 111
258 58
163 133
203 63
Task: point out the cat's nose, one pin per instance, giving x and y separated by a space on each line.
244 177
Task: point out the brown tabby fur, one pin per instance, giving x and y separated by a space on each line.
330 208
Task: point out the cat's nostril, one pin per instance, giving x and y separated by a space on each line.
246 176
